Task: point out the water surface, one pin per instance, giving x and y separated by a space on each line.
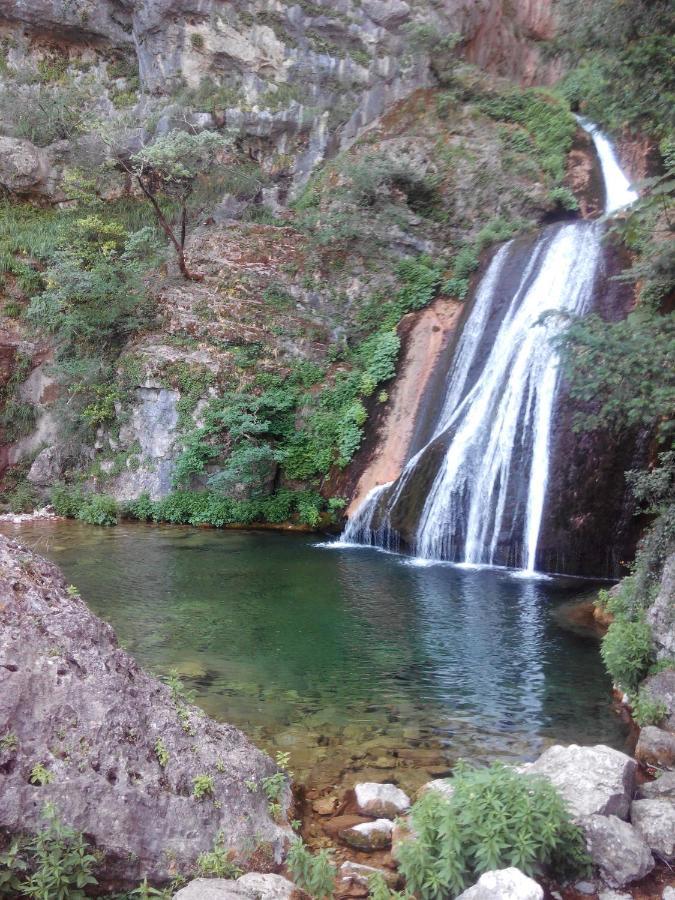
356 661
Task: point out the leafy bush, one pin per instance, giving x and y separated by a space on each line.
495 818
98 509
647 711
627 651
54 865
312 873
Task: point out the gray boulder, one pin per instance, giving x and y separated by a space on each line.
24 168
661 614
253 886
352 873
591 780
618 850
111 747
663 786
381 800
655 820
504 884
656 747
441 786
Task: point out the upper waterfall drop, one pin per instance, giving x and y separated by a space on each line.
618 191
475 492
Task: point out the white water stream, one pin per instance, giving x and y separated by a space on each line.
490 487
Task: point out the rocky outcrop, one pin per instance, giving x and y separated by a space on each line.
655 821
656 747
661 614
146 776
24 168
591 780
504 884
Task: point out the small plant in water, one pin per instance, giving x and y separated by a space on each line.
40 775
72 591
273 785
202 786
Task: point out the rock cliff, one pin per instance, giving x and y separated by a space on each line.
120 755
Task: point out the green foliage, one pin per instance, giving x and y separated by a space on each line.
161 753
544 117
627 651
98 509
54 865
274 785
40 775
218 862
647 711
495 818
312 873
420 279
202 786
17 420
622 371
563 197
9 743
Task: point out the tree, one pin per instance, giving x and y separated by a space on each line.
169 169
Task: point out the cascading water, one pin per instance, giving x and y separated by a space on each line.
475 492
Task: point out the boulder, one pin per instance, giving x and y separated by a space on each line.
381 800
656 747
47 467
661 689
118 752
24 168
441 786
613 895
668 893
655 820
661 614
253 886
617 849
352 873
504 884
663 786
369 835
591 780
388 13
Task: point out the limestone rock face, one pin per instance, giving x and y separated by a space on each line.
591 780
24 168
120 751
504 884
618 850
661 688
655 820
382 800
656 747
661 614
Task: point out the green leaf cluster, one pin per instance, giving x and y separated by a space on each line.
313 873
495 818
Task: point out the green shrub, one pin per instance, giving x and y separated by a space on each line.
17 419
218 863
66 500
646 710
495 818
312 873
627 651
54 865
99 509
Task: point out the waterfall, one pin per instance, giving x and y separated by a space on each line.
475 492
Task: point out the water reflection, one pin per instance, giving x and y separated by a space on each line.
312 649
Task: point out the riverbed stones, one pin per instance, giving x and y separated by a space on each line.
121 752
655 820
381 800
253 886
369 836
504 884
618 850
656 747
352 873
591 780
442 786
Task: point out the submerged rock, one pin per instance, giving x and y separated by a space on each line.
146 776
656 747
441 786
351 873
504 884
618 850
369 835
655 820
382 800
591 780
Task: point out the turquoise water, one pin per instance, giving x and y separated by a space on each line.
351 659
